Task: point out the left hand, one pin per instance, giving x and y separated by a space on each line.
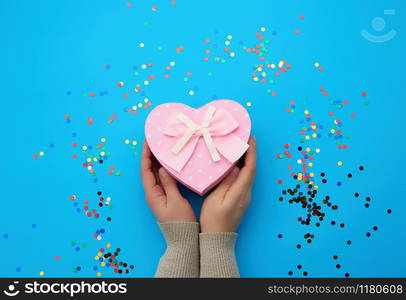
162 193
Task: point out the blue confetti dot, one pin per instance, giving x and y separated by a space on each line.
5 236
18 269
34 226
77 248
74 134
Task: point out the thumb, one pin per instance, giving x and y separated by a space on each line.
225 185
168 183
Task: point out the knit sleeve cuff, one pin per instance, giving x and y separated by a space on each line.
217 255
181 258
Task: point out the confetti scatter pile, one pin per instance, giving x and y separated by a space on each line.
108 259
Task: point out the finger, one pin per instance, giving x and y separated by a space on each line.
149 179
169 185
225 185
247 173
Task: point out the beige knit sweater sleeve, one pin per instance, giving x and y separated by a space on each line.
184 243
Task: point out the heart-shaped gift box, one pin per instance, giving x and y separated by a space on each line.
198 147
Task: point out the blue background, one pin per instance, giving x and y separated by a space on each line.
51 48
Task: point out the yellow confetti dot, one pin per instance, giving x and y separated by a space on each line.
41 273
146 82
41 153
142 45
312 174
306 112
127 141
316 187
103 264
84 148
340 163
99 274
316 64
108 245
307 137
96 258
232 54
99 254
88 159
332 131
139 104
255 78
134 143
146 100
310 164
229 37
259 69
102 153
314 135
263 29
103 140
308 149
94 158
248 104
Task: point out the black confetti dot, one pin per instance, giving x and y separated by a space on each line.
389 211
349 242
361 168
335 256
338 266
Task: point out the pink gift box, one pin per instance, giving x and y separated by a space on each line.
198 147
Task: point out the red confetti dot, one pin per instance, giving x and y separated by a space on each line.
66 116
322 89
91 94
280 181
57 257
301 17
297 31
35 156
129 5
74 156
363 94
321 69
173 3
353 115
154 8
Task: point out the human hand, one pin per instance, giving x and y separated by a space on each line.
162 193
224 208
